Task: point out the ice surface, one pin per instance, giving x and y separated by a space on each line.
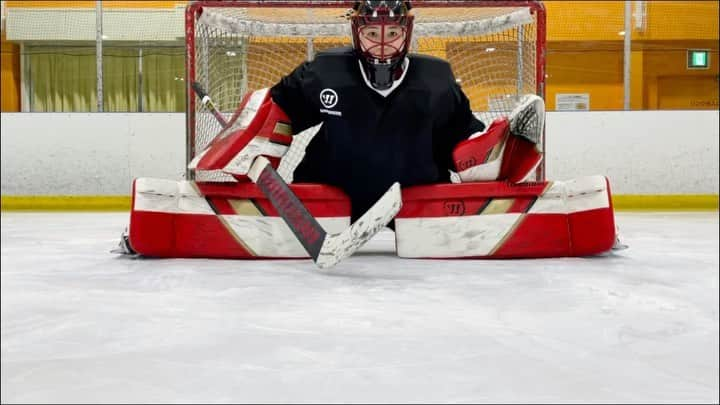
82 325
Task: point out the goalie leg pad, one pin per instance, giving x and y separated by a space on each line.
504 220
223 220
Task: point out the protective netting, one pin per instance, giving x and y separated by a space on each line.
235 49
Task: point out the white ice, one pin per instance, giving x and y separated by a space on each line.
80 324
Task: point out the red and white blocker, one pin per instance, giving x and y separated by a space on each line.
258 127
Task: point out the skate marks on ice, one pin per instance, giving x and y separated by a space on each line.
78 325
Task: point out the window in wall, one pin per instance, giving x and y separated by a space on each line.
147 79
61 79
163 79
120 79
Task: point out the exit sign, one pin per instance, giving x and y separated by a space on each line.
698 59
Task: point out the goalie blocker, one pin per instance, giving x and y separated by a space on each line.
258 127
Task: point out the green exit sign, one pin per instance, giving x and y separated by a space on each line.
698 59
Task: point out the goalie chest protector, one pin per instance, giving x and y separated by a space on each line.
367 141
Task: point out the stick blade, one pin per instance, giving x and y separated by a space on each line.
337 247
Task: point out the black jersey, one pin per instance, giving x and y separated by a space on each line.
368 141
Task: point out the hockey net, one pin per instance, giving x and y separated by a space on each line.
496 50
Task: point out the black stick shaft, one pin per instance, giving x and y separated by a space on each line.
207 102
305 227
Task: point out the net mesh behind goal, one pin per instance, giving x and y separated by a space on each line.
496 50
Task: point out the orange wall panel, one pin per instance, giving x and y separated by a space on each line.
681 20
687 92
584 20
91 4
9 76
667 80
599 73
673 59
603 20
660 78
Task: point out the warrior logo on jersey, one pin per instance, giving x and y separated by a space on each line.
328 98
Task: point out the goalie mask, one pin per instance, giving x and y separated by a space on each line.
381 36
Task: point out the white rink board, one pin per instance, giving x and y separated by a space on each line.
642 152
89 153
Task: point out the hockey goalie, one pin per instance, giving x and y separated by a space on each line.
380 115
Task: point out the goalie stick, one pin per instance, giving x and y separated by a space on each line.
325 249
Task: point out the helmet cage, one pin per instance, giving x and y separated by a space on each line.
381 57
383 50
